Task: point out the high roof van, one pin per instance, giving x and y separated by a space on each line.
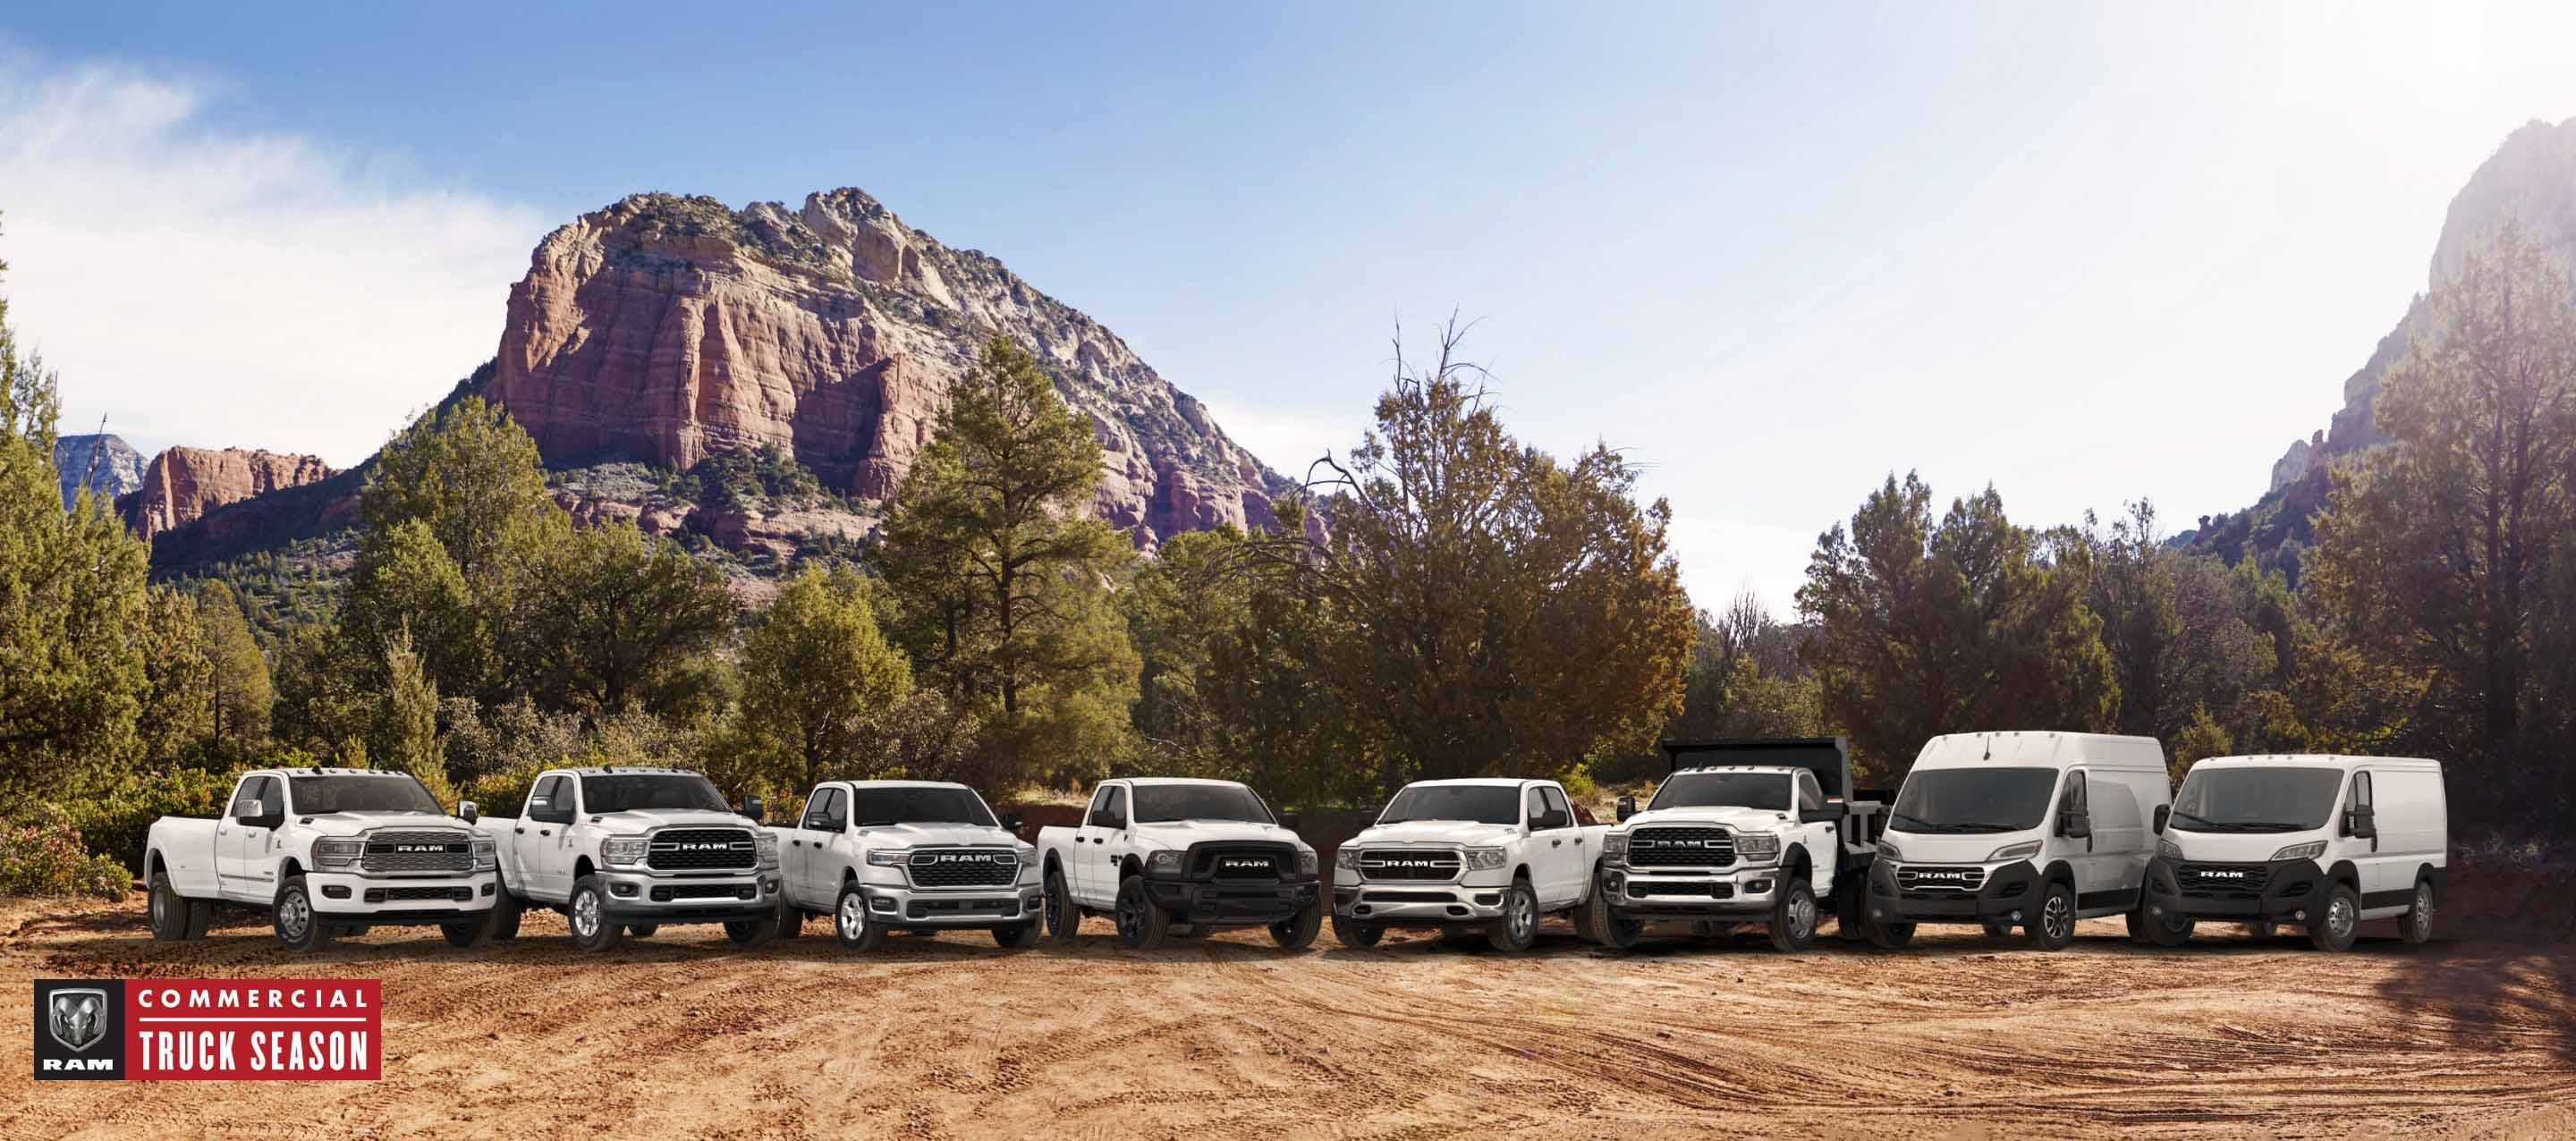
2033 830
2320 842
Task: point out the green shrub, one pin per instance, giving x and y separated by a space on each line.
115 823
505 791
41 854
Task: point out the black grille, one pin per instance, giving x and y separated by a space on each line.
1401 864
964 867
398 852
2223 881
1407 897
1267 862
705 891
1939 882
947 908
1683 889
1681 848
700 849
419 894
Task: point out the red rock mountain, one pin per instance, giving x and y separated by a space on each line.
183 484
666 329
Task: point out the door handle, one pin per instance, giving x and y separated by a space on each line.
545 831
1556 843
520 831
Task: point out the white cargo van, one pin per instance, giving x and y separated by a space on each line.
2322 842
2029 830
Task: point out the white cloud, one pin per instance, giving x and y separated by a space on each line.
201 286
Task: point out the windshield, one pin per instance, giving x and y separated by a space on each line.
2256 800
1973 800
684 791
1479 803
881 806
1766 791
321 796
1167 802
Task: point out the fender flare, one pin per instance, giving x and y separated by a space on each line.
2058 872
2343 872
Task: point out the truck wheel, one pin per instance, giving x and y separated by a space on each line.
1609 928
2416 926
750 932
1063 916
1851 918
642 930
2054 927
505 917
297 927
2159 933
1298 933
1020 937
473 934
1793 916
1141 924
2334 930
851 923
176 918
1518 927
1890 936
791 920
1356 935
587 914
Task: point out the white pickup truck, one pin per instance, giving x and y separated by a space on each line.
886 855
1490 855
1754 831
325 852
1168 855
623 849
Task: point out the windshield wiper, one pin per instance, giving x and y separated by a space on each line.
1982 827
1921 825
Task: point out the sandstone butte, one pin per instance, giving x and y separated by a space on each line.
183 484
666 329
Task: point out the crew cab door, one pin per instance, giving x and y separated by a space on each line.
1559 858
1099 844
544 837
241 847
1823 838
809 868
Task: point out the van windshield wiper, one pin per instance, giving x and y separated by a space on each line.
1921 825
1981 827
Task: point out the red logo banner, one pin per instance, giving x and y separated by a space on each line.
237 1029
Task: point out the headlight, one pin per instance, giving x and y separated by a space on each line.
1758 846
340 853
2168 849
888 857
2308 851
1615 845
2023 850
1028 856
767 845
1166 860
623 849
1887 851
1484 859
485 857
1307 863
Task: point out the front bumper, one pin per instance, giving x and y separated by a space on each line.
1691 893
897 905
1400 904
635 897
1233 903
2281 891
346 897
2008 893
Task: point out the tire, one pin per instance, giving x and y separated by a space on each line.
2154 933
1996 928
2334 930
2416 926
1890 936
298 928
1851 917
2054 926
1609 928
857 930
1142 925
1356 935
1063 916
1793 916
176 918
586 913
505 917
791 920
1518 927
750 932
1298 932
1020 937
642 930
2263 929
469 935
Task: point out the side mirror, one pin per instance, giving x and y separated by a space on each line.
1627 806
2361 824
467 812
1819 815
836 824
1290 820
1548 821
1011 822
753 809
249 811
2164 812
2076 825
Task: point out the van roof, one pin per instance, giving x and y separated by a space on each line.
2319 760
1769 770
2045 749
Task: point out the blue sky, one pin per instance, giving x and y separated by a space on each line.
2087 254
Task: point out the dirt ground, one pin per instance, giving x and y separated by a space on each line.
679 1035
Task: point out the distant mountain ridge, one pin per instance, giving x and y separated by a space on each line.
110 466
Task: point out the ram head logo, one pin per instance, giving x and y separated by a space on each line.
77 1017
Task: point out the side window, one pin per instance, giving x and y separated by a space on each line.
1108 809
249 791
542 802
2076 799
820 811
2361 791
1555 802
1537 806
1810 794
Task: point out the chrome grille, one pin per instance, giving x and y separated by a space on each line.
396 853
1402 865
700 849
1681 848
963 867
1940 879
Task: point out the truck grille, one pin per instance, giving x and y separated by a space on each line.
1939 881
963 867
1681 848
701 849
2223 881
419 894
412 851
1265 862
1401 864
685 891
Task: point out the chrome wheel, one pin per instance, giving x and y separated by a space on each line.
160 910
2340 917
1802 915
2421 915
852 916
1524 916
2059 918
294 914
585 914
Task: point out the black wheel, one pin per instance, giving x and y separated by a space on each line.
2263 929
791 921
1890 936
642 930
1851 922
1063 916
1996 928
1298 933
587 914
2159 932
505 917
472 934
2334 930
2416 926
176 918
298 928
1793 914
2054 927
1355 934
751 932
1518 926
1609 928
1020 937
852 925
1141 923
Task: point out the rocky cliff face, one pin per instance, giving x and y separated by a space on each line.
106 463
183 484
666 329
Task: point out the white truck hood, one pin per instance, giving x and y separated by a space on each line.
1466 833
353 823
627 823
1183 833
2238 847
1949 848
937 836
1739 819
